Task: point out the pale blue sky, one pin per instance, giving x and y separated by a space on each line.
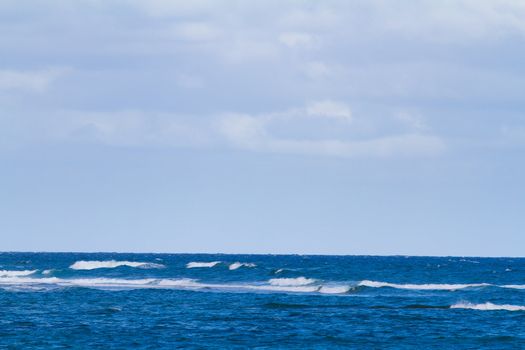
331 127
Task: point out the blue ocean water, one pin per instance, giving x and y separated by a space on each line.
167 301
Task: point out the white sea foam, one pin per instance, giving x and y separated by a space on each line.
291 285
81 282
107 282
237 265
197 264
150 283
289 289
14 273
334 289
110 264
488 307
20 280
429 286
47 272
514 286
299 281
183 282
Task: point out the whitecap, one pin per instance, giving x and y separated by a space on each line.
514 286
198 264
488 307
237 265
334 289
429 286
14 273
110 264
16 280
299 281
183 282
289 289
79 282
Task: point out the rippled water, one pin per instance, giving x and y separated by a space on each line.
153 301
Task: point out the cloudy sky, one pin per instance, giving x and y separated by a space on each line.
337 127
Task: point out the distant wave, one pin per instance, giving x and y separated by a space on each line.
14 273
299 281
488 307
291 285
197 264
308 284
429 286
237 265
514 286
152 283
110 264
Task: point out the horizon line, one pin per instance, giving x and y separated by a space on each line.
278 254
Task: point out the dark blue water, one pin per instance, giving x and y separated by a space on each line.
154 301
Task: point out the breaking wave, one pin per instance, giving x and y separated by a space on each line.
237 265
183 283
110 264
514 286
488 307
299 281
197 264
429 286
14 273
335 289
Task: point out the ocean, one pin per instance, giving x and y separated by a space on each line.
197 301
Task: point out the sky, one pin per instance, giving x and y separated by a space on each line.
304 127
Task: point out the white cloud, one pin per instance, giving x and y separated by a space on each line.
253 133
37 81
328 124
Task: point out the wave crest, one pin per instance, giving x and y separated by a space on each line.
14 273
488 307
334 289
428 286
198 264
514 286
299 281
237 265
110 264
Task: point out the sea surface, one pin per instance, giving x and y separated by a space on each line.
197 301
